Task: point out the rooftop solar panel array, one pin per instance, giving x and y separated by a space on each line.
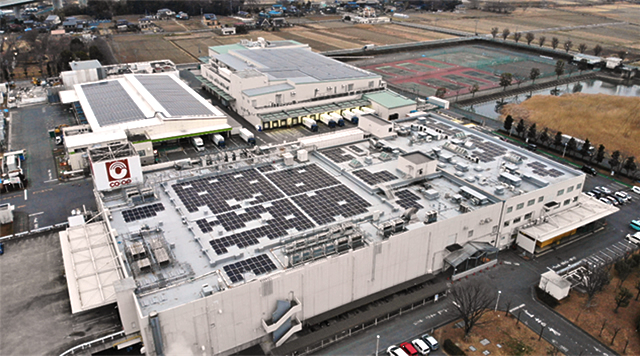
172 96
325 204
299 62
338 155
224 192
407 199
111 104
299 180
489 149
260 264
284 216
374 178
540 169
142 212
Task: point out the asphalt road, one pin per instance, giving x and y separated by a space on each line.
46 201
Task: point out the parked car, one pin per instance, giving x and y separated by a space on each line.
616 198
605 200
597 193
591 194
394 350
626 197
421 346
635 238
589 170
431 341
635 224
408 348
635 189
612 200
603 189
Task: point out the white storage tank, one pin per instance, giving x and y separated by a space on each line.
303 155
288 159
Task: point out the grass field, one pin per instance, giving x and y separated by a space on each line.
140 48
613 121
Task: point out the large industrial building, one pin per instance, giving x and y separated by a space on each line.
279 83
143 109
232 254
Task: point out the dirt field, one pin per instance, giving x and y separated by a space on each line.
528 19
140 48
613 121
592 319
499 330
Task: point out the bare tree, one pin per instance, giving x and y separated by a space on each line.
597 50
582 48
541 40
555 42
516 36
594 279
616 330
567 45
472 300
494 31
505 33
529 37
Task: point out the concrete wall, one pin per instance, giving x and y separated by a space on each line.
227 319
385 113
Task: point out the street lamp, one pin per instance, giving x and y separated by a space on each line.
497 301
377 343
564 149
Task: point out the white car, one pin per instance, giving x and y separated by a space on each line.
604 190
624 196
636 189
635 238
394 350
421 346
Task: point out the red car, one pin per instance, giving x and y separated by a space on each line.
408 348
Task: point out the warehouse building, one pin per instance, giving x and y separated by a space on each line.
280 83
144 109
237 253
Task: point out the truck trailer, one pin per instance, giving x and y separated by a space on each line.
310 124
247 136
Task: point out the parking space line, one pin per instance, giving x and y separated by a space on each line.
25 194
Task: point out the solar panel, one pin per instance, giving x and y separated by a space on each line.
260 264
374 178
220 192
110 103
407 199
356 149
325 204
299 180
172 96
142 212
338 155
284 216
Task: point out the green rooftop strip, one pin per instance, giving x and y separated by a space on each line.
214 88
389 99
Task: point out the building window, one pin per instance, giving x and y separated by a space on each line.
350 87
531 202
254 103
142 153
560 192
570 189
509 209
278 98
517 220
494 229
566 202
470 233
528 216
506 223
540 199
575 199
520 206
579 186
371 84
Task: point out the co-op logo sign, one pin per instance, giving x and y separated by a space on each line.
118 173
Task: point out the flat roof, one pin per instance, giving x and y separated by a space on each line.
417 157
389 99
267 90
88 139
297 63
90 64
229 226
138 100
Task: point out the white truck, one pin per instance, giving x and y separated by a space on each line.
350 116
197 143
310 124
338 119
218 140
247 136
328 120
438 102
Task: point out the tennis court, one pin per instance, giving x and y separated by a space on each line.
456 68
